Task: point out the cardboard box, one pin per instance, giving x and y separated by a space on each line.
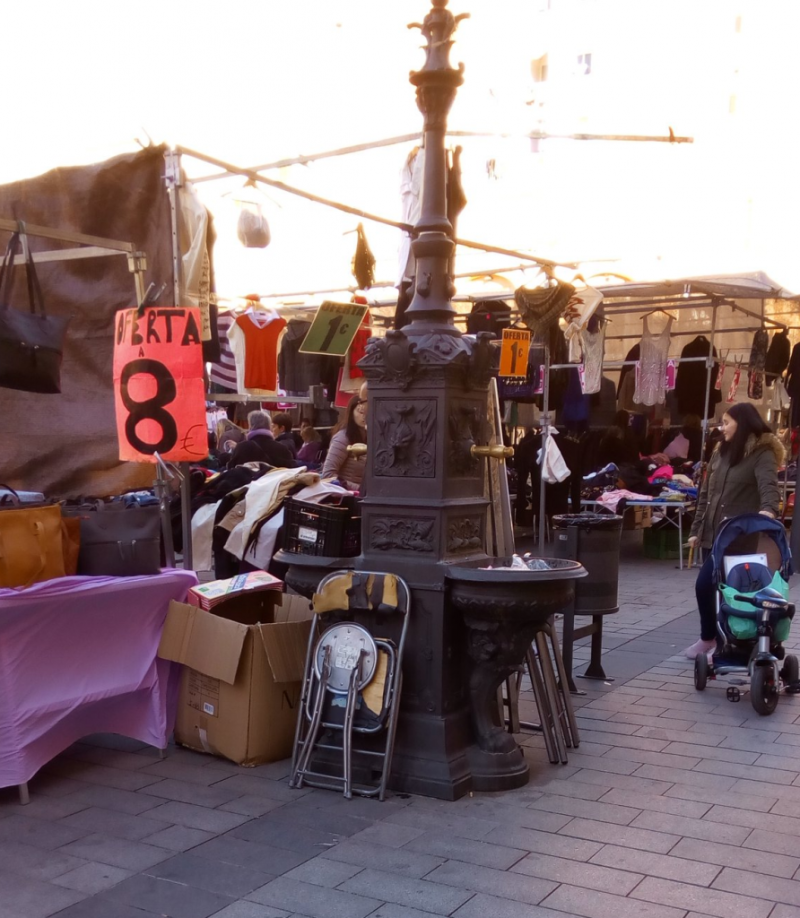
243 669
637 518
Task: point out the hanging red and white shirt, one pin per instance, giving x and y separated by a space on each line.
254 338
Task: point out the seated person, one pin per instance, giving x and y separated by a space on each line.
312 447
281 428
260 445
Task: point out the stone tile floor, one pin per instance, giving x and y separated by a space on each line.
677 805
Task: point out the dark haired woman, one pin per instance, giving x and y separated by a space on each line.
742 477
339 463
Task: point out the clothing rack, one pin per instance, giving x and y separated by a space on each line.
628 307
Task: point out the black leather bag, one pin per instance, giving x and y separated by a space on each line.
117 541
31 343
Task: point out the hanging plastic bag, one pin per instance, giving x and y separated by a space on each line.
554 468
252 227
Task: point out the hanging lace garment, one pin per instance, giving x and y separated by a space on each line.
650 384
737 375
593 344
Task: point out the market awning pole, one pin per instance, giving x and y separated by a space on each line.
365 215
545 435
709 366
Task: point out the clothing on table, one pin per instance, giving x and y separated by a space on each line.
747 487
777 356
758 361
340 464
223 373
654 349
610 499
254 340
692 381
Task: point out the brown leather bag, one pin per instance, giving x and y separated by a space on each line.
31 545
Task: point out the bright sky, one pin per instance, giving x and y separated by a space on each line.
253 82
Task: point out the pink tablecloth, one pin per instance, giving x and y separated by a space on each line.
78 656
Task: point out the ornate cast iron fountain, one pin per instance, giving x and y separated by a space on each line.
425 513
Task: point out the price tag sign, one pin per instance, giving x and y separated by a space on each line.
159 393
514 352
333 329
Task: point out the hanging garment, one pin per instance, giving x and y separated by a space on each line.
691 382
575 405
720 374
777 356
363 265
650 388
411 204
554 468
758 360
223 372
542 307
254 340
633 354
734 387
593 346
793 385
358 349
780 397
603 404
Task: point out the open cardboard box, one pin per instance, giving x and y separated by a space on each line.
243 669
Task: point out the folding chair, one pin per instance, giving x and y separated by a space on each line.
352 683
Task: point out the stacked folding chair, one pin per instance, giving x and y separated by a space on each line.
352 684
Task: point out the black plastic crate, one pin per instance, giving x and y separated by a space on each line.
322 529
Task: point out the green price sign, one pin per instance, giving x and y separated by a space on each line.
333 329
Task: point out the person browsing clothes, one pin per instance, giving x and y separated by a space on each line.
353 429
742 477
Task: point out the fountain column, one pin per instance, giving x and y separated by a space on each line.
425 504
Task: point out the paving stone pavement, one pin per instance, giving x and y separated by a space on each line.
676 805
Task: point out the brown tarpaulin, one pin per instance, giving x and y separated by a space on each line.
66 445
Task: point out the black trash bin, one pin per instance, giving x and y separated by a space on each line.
594 540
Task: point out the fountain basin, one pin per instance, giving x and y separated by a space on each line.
502 611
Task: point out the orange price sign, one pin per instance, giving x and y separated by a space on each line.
159 393
514 352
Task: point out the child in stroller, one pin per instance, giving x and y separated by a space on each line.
753 610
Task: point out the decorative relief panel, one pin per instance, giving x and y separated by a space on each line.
464 426
406 438
403 532
464 533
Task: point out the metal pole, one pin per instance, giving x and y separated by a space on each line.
545 434
709 367
186 516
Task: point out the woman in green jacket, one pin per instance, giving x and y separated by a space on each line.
742 477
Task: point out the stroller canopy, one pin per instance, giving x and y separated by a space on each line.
750 524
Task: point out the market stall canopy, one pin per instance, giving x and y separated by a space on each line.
754 285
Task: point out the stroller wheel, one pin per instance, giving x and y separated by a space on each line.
700 671
763 690
790 672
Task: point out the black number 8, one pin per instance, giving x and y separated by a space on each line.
152 408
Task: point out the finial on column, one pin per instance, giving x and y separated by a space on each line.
438 28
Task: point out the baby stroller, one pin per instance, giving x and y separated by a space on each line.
754 614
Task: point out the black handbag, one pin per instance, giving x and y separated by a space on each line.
31 343
118 541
